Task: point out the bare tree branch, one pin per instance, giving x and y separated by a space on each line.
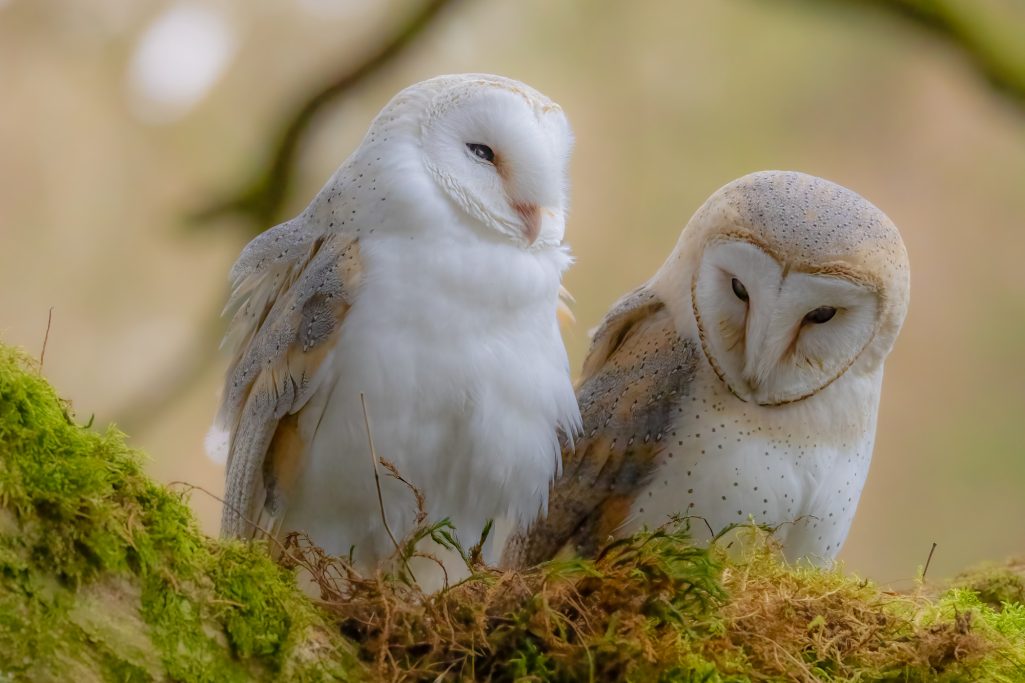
261 198
259 203
972 27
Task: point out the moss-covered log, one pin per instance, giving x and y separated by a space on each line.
104 576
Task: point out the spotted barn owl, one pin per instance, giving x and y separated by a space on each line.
425 275
742 381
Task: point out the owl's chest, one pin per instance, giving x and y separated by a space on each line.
731 461
448 311
462 374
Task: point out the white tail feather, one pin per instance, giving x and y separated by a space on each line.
216 444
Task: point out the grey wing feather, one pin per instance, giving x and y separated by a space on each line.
292 290
637 371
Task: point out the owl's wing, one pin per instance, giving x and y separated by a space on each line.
292 290
637 372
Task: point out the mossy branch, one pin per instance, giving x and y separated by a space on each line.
259 202
104 576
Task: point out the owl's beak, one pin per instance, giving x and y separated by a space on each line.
530 214
539 219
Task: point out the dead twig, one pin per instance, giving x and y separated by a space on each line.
282 547
377 476
928 561
404 557
418 495
46 339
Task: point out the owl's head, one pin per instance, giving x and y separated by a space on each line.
793 281
498 149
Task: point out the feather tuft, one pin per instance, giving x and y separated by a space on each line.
216 444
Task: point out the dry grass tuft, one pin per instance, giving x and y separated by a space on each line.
612 618
809 624
622 615
88 544
656 607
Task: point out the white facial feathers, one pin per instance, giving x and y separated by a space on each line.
500 151
490 151
425 278
793 280
743 380
766 345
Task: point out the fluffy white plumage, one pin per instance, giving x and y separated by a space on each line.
797 288
743 380
425 275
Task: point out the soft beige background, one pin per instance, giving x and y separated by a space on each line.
669 101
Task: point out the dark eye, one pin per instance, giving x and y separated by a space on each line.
822 314
739 289
481 151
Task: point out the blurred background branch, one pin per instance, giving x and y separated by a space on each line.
984 32
260 199
987 33
258 203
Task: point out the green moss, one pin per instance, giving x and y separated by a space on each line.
803 623
628 615
255 612
995 584
655 608
104 575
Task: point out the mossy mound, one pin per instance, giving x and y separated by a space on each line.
655 608
995 584
104 576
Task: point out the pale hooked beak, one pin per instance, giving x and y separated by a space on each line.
534 218
530 214
753 381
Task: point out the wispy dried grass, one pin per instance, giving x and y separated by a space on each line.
656 607
578 620
603 619
809 624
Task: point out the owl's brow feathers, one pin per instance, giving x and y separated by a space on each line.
836 268
540 105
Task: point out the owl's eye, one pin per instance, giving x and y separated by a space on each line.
822 314
740 290
482 152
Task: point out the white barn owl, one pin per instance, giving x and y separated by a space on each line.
426 276
742 381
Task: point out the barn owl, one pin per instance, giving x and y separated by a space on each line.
742 381
425 275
